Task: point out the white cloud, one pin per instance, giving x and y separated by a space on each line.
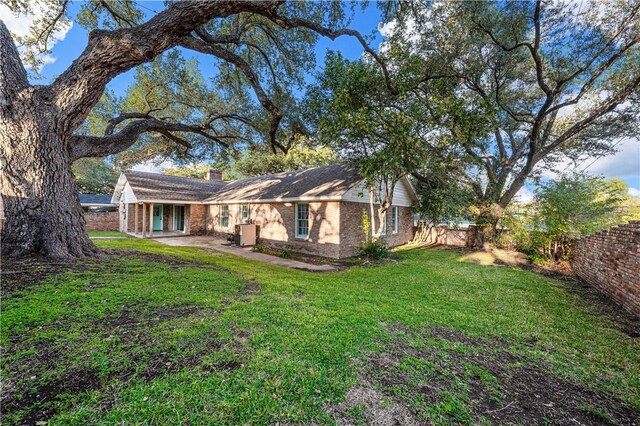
20 25
153 166
524 196
634 192
625 163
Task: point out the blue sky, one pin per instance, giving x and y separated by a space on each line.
625 164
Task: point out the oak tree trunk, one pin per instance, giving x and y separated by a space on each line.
40 197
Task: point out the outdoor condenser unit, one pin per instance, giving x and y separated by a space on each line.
245 234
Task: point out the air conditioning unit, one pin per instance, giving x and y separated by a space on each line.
245 234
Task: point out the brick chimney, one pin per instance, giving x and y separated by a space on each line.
215 175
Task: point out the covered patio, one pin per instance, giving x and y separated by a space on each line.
157 220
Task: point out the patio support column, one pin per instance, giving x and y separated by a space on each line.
151 220
144 220
135 218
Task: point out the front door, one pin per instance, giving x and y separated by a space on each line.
157 217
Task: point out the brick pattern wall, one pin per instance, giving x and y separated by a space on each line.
276 226
610 261
198 219
352 233
464 237
102 221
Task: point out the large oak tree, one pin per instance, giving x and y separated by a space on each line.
42 126
495 91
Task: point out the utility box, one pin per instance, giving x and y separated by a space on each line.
245 234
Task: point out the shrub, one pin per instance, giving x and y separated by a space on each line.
373 249
285 253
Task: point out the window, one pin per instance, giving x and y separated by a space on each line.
384 224
302 220
394 219
178 217
244 213
224 216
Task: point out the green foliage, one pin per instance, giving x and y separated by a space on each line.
366 227
94 176
467 81
442 199
564 210
374 249
259 161
194 170
371 248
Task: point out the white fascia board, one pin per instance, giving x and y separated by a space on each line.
180 202
117 190
277 200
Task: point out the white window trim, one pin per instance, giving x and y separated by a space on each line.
302 236
244 219
175 218
222 207
394 219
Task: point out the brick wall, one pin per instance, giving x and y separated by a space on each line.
610 261
276 226
198 219
462 237
102 221
352 233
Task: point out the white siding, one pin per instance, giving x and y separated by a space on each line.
129 196
401 194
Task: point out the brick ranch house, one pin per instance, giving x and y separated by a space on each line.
317 211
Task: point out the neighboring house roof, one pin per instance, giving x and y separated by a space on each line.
95 200
319 182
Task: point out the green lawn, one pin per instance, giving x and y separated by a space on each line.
103 234
208 338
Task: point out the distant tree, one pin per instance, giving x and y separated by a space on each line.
95 176
299 156
566 209
194 170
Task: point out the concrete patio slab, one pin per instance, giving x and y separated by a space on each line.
222 246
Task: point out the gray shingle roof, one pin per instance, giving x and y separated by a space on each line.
94 199
326 181
155 186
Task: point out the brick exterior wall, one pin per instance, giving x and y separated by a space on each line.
197 219
352 233
276 226
102 221
610 261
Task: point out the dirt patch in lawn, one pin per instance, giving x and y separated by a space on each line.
22 273
141 347
134 342
444 376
